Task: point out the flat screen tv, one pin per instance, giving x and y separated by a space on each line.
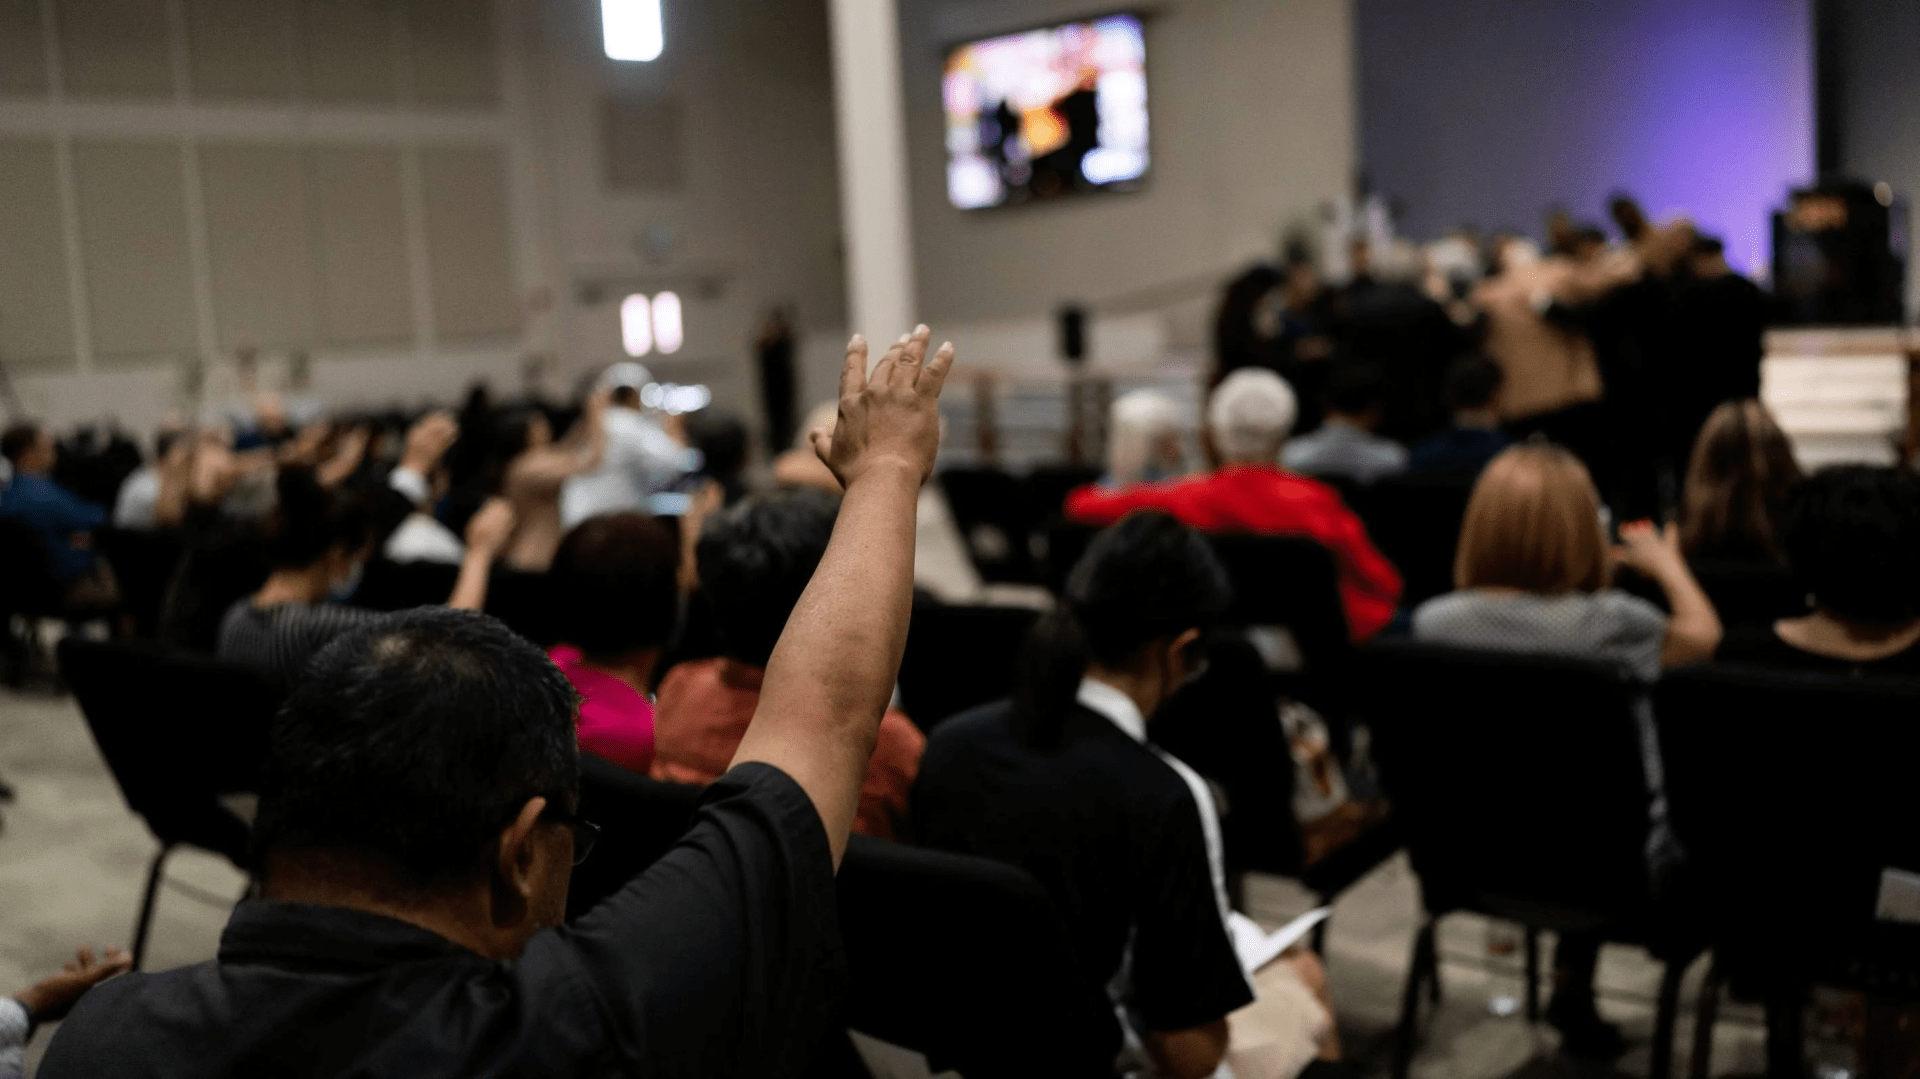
1046 113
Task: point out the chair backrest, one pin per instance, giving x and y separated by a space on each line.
965 960
1519 779
143 561
1791 793
990 510
640 819
1750 591
958 657
1415 521
178 731
28 585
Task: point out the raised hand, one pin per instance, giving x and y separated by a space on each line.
490 528
428 440
53 998
890 418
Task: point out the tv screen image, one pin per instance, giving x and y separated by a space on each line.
1047 112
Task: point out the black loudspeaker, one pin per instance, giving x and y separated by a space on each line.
1073 333
1839 255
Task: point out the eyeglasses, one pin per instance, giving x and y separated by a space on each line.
585 833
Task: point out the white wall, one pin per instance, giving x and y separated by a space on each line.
1251 107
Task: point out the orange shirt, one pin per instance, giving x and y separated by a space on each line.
702 712
1266 501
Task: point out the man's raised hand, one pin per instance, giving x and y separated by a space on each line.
888 417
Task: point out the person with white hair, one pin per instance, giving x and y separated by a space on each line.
639 457
1249 417
1143 440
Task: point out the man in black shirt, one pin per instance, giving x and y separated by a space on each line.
417 831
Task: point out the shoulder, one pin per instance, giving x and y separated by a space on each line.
991 722
1629 610
124 1021
1447 609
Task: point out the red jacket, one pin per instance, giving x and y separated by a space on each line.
1267 501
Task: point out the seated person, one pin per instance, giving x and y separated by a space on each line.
1473 390
1738 482
617 596
1143 440
1344 446
417 828
754 562
1852 539
1248 418
1062 782
146 489
318 541
49 1000
63 521
1532 575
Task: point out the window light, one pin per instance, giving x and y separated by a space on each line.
636 325
667 331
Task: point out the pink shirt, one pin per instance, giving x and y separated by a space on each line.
616 722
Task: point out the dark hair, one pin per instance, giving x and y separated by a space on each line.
309 520
163 441
624 397
1853 541
512 428
1739 477
1146 579
1708 245
615 584
1353 387
19 439
412 741
721 439
755 560
1472 382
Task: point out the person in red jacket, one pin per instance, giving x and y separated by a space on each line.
1249 416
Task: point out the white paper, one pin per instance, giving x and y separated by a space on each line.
1256 947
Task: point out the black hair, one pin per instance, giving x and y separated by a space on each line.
1853 541
18 439
624 397
412 741
1147 579
1353 387
1472 382
1708 245
309 520
721 438
513 427
163 441
755 559
616 584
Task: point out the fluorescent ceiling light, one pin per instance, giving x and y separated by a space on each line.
630 29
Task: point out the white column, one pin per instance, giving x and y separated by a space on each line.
873 168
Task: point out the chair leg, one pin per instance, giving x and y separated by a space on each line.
147 902
1706 1013
1533 975
1417 970
1665 1017
1786 1031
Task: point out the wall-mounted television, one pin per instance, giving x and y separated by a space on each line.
1047 112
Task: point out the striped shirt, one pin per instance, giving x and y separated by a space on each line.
280 639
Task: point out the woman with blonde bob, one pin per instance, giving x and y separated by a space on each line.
1532 575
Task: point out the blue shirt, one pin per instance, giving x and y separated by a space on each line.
1462 450
56 513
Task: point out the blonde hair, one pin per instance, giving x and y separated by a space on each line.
1250 414
1737 482
1533 524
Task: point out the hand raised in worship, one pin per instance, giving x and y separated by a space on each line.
428 440
890 417
490 528
1649 549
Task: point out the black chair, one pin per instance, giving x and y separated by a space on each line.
990 510
1292 582
1415 521
1750 591
27 588
958 657
965 960
1521 791
1791 794
640 819
143 561
178 731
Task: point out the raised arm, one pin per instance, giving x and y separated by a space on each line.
1693 631
487 535
832 673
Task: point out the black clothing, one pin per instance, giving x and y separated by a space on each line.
1114 833
1719 341
1760 646
722 959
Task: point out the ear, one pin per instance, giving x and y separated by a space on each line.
515 865
1178 666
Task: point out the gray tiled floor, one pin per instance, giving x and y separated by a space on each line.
72 860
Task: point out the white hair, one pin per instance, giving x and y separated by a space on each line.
1139 423
1250 415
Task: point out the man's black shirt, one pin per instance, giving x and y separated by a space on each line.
722 959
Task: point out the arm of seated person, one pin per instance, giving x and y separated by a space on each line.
1693 632
1189 1054
832 672
487 535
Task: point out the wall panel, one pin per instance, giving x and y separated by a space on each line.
453 52
242 49
260 245
23 55
36 321
133 228
115 48
466 201
348 48
361 227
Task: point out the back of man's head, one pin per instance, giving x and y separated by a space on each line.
410 743
756 559
1354 389
615 583
19 439
1250 414
1472 383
